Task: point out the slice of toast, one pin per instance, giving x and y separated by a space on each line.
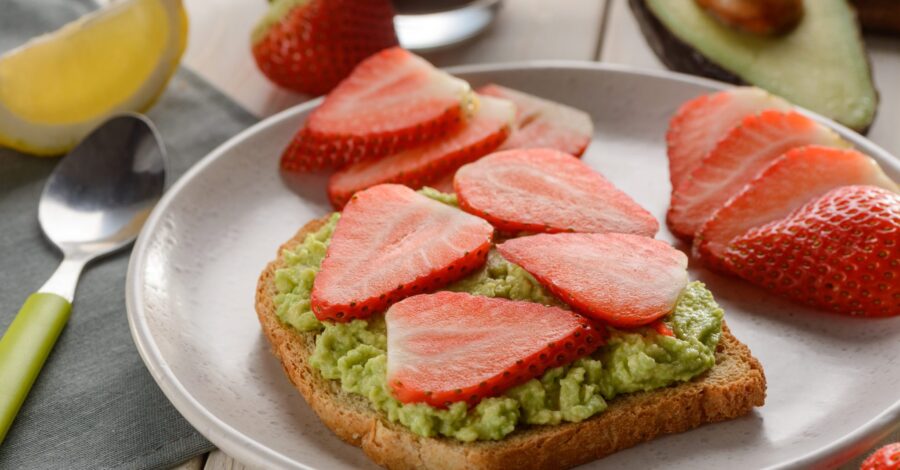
730 389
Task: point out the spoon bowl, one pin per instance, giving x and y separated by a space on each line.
98 197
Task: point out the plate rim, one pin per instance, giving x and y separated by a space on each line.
248 450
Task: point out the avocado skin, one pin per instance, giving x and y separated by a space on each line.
675 53
681 57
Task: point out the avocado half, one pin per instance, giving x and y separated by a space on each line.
821 64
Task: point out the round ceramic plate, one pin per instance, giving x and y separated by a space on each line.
833 381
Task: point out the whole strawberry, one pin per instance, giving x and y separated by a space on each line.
885 458
837 252
309 46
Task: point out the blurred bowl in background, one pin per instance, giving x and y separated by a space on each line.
427 25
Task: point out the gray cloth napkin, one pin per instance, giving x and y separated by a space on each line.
94 405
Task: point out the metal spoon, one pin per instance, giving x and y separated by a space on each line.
93 204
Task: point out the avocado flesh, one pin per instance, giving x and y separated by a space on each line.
820 65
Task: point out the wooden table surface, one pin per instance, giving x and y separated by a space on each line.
594 30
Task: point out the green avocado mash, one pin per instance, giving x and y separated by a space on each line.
446 198
355 353
500 278
294 282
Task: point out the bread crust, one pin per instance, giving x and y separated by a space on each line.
730 389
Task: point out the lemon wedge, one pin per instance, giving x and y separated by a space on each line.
58 87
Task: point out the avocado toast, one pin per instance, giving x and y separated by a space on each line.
731 388
673 374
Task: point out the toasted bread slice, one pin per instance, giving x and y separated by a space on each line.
730 389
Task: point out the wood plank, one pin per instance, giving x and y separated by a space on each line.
533 29
219 43
219 460
195 463
623 43
884 53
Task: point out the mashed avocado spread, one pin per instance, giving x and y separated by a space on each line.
635 360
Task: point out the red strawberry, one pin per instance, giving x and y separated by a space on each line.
543 123
390 243
661 328
737 159
701 122
837 252
791 180
392 101
310 46
544 190
452 346
625 280
528 106
885 458
415 167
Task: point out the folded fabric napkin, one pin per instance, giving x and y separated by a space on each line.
94 405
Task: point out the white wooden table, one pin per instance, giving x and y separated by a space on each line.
601 30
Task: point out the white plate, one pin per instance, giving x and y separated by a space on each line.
833 381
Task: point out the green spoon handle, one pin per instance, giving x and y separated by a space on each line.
24 348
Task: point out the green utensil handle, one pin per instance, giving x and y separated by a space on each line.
24 348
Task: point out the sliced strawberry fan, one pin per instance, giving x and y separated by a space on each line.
416 167
390 243
702 122
542 123
450 346
545 190
791 180
838 252
738 158
624 280
392 101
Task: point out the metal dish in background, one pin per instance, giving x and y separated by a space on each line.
424 25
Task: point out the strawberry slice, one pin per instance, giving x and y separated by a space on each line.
392 101
390 243
487 129
527 106
545 190
661 328
791 180
543 123
737 159
625 280
452 346
838 252
443 184
702 122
